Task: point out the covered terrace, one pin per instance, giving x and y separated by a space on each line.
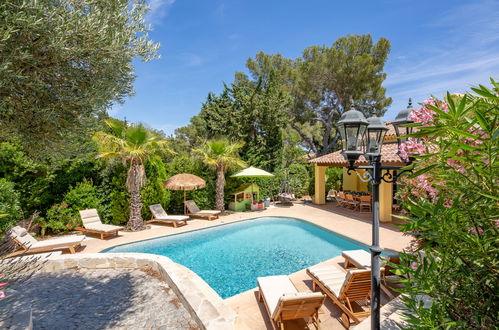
352 182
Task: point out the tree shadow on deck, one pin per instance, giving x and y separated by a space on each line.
75 299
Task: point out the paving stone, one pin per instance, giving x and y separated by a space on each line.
98 299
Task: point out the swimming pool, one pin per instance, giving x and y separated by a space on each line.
230 257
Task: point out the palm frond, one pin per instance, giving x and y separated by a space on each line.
220 152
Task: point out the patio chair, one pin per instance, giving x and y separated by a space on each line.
160 215
28 243
92 224
351 202
345 290
193 209
341 199
283 302
365 203
332 195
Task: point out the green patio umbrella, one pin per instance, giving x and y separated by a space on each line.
252 172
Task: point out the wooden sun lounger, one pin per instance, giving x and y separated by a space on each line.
283 302
362 259
28 244
193 210
344 289
160 215
93 224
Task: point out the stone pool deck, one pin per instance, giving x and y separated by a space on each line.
99 299
251 313
351 224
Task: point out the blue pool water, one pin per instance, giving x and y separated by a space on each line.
230 257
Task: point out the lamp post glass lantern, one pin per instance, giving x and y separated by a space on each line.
365 137
352 126
400 124
376 131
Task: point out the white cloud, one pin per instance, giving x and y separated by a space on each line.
158 10
220 10
466 56
193 59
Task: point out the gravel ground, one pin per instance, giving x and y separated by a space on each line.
98 299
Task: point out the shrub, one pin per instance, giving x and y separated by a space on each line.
60 218
115 198
453 213
84 195
9 205
299 179
334 178
153 192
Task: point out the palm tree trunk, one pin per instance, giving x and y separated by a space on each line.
219 195
135 222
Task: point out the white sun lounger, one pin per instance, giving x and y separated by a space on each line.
29 244
160 215
283 302
93 224
358 258
194 210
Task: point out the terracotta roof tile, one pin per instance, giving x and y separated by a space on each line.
389 157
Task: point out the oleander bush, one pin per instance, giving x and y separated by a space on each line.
9 205
453 204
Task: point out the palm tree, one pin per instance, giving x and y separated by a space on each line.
220 154
134 145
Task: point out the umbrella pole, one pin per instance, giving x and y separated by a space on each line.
185 206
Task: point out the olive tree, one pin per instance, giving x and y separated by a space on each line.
64 62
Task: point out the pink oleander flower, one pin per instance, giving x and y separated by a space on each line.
441 183
431 101
410 147
424 115
414 265
2 295
444 106
455 165
425 185
448 202
474 231
402 153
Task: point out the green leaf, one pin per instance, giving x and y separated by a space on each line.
489 196
482 121
423 170
463 133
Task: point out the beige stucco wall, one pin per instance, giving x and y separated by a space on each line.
320 184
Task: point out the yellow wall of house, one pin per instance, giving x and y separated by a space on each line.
361 186
349 181
385 201
320 184
352 182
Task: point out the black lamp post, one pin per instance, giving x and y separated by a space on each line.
365 137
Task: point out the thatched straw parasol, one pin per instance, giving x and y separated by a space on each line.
184 182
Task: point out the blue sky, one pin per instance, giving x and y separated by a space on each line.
436 46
